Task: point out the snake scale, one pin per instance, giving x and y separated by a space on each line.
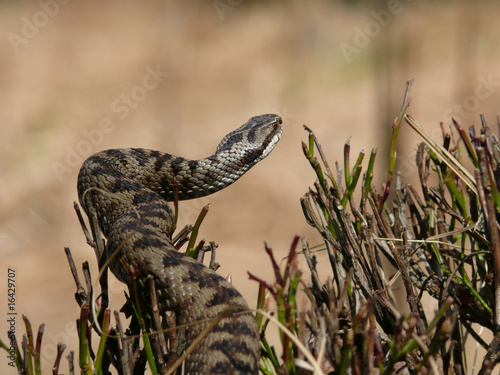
128 190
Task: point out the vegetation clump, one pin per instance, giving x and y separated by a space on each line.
440 240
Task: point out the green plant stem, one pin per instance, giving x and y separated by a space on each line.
191 251
102 342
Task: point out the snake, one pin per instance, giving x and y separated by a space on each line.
129 192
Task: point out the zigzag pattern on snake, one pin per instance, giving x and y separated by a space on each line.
129 190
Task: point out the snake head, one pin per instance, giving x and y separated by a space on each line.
254 140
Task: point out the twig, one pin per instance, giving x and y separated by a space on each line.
71 362
396 126
157 319
492 228
86 232
60 349
443 154
80 294
127 363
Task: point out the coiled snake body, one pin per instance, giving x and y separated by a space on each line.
128 191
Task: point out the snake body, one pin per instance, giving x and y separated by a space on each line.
128 190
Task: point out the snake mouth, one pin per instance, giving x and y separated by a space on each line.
278 127
273 137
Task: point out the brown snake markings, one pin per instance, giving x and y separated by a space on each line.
129 190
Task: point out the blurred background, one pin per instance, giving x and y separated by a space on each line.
79 77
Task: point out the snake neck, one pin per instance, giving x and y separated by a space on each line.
199 178
127 168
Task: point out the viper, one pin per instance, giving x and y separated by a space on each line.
128 191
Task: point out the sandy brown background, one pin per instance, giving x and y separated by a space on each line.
59 80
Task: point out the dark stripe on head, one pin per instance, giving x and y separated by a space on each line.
235 138
251 134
